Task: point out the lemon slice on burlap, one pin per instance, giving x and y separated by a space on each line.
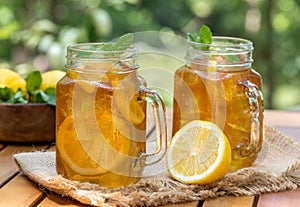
199 153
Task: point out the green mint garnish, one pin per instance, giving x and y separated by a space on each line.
232 58
192 37
122 43
204 36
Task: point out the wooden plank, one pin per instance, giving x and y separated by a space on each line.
287 198
8 168
55 200
290 119
293 133
287 122
20 192
188 204
51 148
230 201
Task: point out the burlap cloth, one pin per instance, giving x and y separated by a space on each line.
277 168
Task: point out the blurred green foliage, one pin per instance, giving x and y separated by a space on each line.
35 33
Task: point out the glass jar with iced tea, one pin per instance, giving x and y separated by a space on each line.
218 84
101 117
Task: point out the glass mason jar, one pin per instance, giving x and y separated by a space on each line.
101 117
217 84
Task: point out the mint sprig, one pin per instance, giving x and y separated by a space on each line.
204 36
232 58
192 37
121 44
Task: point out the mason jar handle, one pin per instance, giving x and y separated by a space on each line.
158 106
255 98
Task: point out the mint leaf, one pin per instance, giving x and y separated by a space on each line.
47 96
108 46
51 94
205 36
122 43
232 58
20 97
36 96
33 81
6 94
191 37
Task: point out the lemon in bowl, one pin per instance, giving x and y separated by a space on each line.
11 79
23 120
50 78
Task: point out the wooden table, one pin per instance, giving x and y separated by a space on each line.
17 191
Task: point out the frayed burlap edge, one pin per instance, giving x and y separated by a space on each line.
277 168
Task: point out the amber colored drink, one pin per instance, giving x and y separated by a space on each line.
80 142
227 94
101 119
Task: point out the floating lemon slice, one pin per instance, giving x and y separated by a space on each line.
72 151
199 153
125 100
87 146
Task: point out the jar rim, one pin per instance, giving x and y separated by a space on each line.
84 47
82 53
93 52
226 41
224 52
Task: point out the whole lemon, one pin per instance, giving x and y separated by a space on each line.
50 78
12 80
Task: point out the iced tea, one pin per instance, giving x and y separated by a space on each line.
101 121
227 93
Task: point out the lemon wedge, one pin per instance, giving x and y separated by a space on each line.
199 153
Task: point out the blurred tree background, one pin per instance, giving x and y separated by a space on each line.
34 33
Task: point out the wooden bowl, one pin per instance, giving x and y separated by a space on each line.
27 123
